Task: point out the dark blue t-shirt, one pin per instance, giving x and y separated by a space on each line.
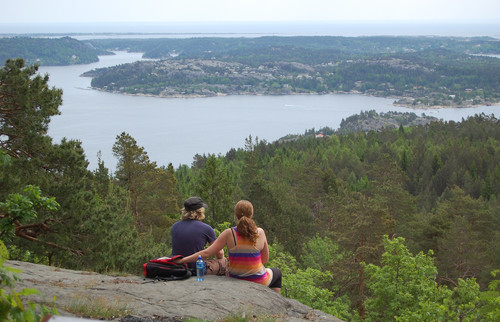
190 236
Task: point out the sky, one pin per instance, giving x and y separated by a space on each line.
168 11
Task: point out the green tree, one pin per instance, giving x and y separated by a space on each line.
360 220
404 288
114 226
133 169
320 253
26 106
490 299
151 190
19 211
165 198
69 181
462 232
159 205
311 286
215 187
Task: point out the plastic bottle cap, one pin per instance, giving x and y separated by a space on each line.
199 256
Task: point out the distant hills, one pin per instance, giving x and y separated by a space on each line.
48 51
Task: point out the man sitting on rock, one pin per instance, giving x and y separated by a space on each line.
190 235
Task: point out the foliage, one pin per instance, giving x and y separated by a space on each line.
150 189
219 228
12 307
320 253
490 299
26 105
462 230
308 287
215 186
92 206
311 286
404 288
117 231
22 208
48 51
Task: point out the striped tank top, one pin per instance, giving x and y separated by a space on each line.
245 262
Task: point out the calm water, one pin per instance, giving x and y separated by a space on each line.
174 130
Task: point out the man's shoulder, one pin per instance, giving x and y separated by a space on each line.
177 223
196 223
207 226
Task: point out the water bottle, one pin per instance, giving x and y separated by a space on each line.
200 269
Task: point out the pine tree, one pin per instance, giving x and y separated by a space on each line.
151 190
215 186
26 106
133 170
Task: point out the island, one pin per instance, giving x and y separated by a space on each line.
415 71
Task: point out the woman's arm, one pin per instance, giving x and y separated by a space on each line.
213 249
264 252
220 253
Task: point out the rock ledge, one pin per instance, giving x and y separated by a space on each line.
215 298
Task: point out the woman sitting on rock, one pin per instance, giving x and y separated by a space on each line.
248 250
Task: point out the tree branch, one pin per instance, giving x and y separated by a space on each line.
32 231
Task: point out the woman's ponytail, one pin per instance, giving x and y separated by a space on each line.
246 226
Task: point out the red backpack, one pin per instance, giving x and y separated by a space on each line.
165 269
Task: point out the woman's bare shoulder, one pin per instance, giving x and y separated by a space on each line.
227 233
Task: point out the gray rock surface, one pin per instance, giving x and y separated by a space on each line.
215 298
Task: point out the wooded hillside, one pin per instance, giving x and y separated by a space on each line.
48 51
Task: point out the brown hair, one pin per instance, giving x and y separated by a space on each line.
198 214
246 226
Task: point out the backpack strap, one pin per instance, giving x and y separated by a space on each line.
174 278
167 260
169 278
234 238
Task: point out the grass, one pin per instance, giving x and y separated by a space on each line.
97 307
105 308
243 317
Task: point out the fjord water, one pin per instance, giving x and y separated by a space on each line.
174 130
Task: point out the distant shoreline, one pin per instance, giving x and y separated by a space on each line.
188 96
436 107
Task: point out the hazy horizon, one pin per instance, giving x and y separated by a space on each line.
245 11
396 28
313 17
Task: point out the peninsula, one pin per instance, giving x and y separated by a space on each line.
417 71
